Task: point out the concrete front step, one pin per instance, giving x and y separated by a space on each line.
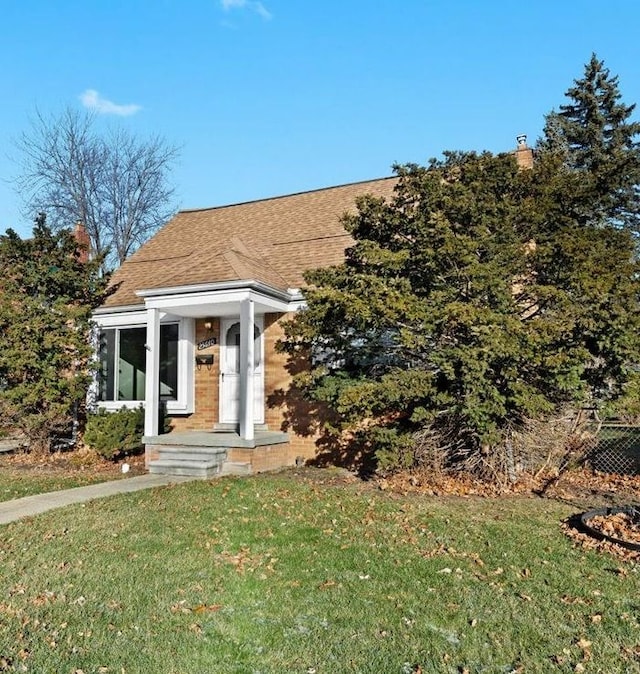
202 469
194 461
192 453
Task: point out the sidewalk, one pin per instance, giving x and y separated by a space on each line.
10 511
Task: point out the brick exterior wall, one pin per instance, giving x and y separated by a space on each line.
281 408
151 453
206 382
264 458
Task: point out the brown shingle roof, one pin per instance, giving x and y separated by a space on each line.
272 240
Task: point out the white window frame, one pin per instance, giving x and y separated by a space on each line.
186 354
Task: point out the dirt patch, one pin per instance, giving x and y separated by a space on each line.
67 464
591 489
583 488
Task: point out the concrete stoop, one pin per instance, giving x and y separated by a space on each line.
221 451
200 462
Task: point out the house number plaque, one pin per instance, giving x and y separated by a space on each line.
206 343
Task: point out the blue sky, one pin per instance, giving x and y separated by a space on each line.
277 96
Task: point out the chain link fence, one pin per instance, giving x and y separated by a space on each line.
617 449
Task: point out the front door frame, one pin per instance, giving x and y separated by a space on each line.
254 380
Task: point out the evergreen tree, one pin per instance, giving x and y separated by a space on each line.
482 296
596 137
473 301
47 294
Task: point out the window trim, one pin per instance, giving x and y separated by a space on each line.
186 350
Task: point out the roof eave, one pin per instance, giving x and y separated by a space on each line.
123 308
289 295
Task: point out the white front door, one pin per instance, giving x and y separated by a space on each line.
230 372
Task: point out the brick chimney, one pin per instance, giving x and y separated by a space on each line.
524 154
84 242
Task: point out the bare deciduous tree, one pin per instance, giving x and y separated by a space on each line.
115 183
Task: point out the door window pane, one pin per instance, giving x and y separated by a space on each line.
232 344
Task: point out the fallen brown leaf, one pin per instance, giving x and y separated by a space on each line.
326 584
202 608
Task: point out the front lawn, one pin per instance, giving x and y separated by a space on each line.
297 573
25 475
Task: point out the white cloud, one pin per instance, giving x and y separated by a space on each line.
262 10
252 5
92 100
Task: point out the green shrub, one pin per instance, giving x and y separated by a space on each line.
115 433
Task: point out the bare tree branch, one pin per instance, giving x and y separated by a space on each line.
115 183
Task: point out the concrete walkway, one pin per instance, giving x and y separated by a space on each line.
10 511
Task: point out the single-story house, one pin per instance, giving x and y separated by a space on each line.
191 328
190 331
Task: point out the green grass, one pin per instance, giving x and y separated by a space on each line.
275 574
17 482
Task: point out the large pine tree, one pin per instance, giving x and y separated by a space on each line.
595 135
473 301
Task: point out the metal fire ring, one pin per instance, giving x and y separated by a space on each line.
590 514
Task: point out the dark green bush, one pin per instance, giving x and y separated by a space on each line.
115 433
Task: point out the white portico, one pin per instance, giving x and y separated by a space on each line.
241 306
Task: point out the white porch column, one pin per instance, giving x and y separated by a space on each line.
247 315
152 377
